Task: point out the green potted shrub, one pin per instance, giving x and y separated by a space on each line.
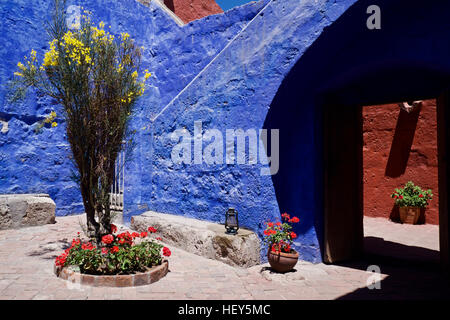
411 199
279 237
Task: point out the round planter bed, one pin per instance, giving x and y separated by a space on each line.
122 280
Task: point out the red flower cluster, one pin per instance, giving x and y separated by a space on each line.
166 252
151 230
108 239
125 238
294 220
88 246
269 232
114 249
144 234
288 218
279 236
60 261
281 246
135 235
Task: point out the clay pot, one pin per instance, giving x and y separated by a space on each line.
409 215
281 261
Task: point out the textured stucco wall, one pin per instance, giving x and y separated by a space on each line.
399 147
263 65
236 91
40 162
276 74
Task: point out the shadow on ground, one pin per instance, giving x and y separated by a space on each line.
412 272
50 250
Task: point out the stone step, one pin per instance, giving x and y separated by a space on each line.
25 210
203 238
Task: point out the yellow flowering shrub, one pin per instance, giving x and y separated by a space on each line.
95 77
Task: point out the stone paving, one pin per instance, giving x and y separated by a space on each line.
27 258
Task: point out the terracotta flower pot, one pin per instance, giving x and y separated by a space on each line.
281 261
409 215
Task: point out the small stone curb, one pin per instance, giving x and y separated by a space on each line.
123 280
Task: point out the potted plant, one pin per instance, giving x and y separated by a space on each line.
118 254
279 237
411 199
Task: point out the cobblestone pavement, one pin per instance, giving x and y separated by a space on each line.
27 258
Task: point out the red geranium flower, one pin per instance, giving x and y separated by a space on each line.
108 239
166 252
294 220
420 195
114 249
151 230
144 234
293 235
158 238
285 216
87 246
135 234
104 250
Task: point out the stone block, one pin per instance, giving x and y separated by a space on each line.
25 210
203 238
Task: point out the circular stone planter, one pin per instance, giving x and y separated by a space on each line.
122 280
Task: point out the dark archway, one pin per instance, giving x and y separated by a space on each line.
317 109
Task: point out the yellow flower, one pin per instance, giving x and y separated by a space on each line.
21 66
101 24
147 74
125 35
134 74
51 56
33 55
18 74
53 114
54 124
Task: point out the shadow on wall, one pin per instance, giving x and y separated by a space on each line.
354 66
402 142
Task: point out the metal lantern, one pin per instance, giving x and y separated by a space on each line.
231 221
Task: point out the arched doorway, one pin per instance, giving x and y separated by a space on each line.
347 67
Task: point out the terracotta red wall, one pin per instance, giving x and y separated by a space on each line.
188 10
398 147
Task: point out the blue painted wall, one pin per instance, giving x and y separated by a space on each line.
264 65
41 163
